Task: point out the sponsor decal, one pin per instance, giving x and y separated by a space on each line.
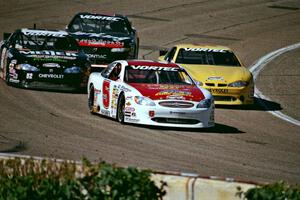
53 76
105 95
99 17
206 49
100 43
215 78
105 112
29 75
97 91
50 59
13 76
102 35
51 65
9 55
219 91
131 120
156 68
127 114
12 72
129 109
97 94
48 54
174 93
125 89
177 113
114 98
96 56
14 81
44 33
176 97
166 87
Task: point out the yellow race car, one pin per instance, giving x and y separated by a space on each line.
217 69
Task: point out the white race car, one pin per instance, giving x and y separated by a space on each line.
150 93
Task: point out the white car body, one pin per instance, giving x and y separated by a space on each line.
134 100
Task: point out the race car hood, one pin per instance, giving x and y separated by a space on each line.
102 40
62 58
225 74
164 91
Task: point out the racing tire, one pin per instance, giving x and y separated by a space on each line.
121 109
6 75
91 99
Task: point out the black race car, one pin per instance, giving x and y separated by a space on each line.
33 58
104 38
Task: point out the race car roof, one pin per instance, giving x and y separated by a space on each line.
203 46
151 63
43 32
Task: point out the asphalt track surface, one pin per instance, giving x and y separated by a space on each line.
247 143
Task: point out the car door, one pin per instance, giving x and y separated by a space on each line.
110 89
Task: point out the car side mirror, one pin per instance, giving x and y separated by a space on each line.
163 52
6 36
198 83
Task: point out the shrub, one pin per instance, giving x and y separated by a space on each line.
276 191
30 179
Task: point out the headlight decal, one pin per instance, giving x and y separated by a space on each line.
120 50
73 70
205 103
238 84
144 101
27 67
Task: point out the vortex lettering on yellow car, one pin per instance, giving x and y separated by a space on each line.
156 68
206 49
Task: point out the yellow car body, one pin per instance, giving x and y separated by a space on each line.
217 69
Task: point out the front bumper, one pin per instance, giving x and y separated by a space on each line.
232 96
170 117
56 81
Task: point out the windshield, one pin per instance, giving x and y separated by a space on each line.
142 74
99 24
204 56
38 42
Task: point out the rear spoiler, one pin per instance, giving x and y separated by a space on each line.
97 68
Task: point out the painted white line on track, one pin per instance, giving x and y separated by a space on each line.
258 66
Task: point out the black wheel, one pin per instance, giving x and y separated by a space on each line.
91 100
121 109
6 76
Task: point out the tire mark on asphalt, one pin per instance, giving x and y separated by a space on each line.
255 70
148 18
250 22
171 7
9 145
222 28
211 37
